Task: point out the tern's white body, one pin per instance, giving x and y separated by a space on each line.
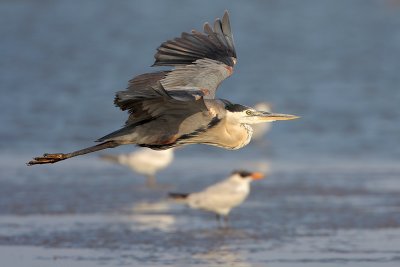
147 161
144 161
221 197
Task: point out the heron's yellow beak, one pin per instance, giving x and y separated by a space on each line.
268 117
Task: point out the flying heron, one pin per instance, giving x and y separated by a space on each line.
222 197
178 106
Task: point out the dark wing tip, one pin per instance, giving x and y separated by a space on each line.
215 43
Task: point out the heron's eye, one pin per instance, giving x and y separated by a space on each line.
249 112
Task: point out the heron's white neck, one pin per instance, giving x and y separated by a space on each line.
239 130
249 130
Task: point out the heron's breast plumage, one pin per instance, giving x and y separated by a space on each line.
230 136
246 140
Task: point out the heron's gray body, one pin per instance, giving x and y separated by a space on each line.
209 123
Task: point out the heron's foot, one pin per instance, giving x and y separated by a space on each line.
47 158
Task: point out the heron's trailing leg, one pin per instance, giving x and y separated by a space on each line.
53 158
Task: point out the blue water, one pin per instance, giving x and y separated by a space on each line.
334 173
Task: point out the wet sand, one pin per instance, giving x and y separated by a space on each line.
298 216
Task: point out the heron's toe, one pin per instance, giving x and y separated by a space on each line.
47 158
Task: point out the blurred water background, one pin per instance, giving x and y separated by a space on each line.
332 196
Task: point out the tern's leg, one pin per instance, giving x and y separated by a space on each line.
226 220
218 217
52 158
151 181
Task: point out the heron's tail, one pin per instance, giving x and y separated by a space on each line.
178 197
53 158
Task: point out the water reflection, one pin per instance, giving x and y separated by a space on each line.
151 216
160 206
162 222
223 255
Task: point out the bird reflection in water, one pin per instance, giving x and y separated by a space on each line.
152 216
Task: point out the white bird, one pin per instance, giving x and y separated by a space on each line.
259 130
144 161
221 197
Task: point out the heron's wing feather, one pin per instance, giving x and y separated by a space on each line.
201 60
154 109
142 87
144 103
201 78
215 43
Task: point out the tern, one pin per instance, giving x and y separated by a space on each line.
144 161
222 197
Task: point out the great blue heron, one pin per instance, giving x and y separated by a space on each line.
144 161
178 107
221 197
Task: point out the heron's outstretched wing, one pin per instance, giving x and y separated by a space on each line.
201 60
152 109
144 103
215 43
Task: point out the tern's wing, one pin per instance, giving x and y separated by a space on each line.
223 186
220 195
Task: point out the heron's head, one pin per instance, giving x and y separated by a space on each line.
242 175
248 115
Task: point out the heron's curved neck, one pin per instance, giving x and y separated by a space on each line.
237 132
249 131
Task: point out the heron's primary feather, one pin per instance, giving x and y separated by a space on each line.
216 44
